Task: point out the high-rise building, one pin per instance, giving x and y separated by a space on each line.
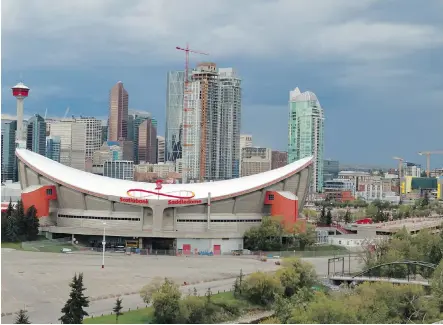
230 122
72 143
279 159
121 169
255 160
160 149
118 113
306 132
53 147
331 168
8 160
109 151
174 115
245 141
93 134
104 133
147 142
411 169
211 141
36 135
127 150
136 118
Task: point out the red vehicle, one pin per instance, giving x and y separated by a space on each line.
365 221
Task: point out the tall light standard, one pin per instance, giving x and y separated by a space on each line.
104 244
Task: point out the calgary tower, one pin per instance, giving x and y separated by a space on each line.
20 91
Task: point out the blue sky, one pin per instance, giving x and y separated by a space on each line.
376 66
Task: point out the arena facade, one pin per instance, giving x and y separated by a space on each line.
211 216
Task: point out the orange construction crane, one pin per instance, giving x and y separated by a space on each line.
400 165
186 109
428 159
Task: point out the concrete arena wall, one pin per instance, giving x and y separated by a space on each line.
75 210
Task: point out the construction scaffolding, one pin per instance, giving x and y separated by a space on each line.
188 118
202 101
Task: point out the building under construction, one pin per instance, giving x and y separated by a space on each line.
211 123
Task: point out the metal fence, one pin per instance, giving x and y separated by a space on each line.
157 252
306 253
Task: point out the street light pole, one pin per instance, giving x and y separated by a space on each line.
104 244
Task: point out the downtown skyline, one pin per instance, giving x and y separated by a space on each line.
359 90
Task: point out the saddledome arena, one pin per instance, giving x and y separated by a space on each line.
201 216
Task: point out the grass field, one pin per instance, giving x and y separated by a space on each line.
47 247
139 316
40 245
12 245
146 315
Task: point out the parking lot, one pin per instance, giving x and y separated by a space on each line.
34 278
31 278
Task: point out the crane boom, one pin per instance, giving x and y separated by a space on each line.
428 159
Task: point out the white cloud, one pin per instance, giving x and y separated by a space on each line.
141 31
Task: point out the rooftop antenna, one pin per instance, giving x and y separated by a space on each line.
46 112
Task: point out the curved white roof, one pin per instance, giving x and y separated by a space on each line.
20 85
306 96
106 186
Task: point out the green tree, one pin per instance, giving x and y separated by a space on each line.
11 229
296 275
148 290
260 288
323 220
166 303
425 201
305 233
22 317
371 211
31 223
380 216
347 217
10 208
118 308
208 295
73 312
4 220
437 285
324 310
193 310
267 236
19 215
329 217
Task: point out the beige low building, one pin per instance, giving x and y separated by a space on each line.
152 172
255 160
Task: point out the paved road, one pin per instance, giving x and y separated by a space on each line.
45 313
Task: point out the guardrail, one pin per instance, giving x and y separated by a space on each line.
303 254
